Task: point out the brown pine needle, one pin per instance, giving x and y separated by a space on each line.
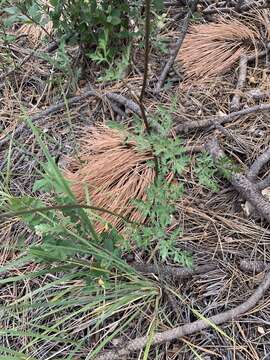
114 173
210 50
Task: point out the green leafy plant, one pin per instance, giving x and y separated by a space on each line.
91 283
208 170
117 71
100 28
26 12
163 195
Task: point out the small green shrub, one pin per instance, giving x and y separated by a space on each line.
100 27
163 195
208 171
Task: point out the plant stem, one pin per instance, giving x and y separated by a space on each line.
145 75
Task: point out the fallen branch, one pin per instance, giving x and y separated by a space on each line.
71 102
254 266
192 125
264 183
246 188
249 191
258 164
173 271
127 103
235 103
191 328
178 45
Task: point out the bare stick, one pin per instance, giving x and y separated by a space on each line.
145 76
235 103
191 328
246 188
173 271
71 102
179 43
253 266
264 183
127 103
258 164
192 125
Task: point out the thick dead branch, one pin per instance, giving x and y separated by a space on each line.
249 191
258 164
179 43
127 103
191 328
173 271
192 125
246 188
264 183
254 266
235 104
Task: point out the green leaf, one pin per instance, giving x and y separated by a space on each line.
12 10
158 4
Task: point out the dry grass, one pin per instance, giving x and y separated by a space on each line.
112 172
210 50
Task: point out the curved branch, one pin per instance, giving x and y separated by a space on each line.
246 188
179 43
188 329
258 164
127 103
235 103
173 271
192 125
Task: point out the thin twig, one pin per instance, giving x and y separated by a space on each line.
235 103
179 43
26 14
145 76
260 54
146 62
217 119
191 328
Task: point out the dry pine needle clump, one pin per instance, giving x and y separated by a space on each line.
210 50
112 172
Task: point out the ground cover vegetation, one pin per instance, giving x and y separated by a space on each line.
134 191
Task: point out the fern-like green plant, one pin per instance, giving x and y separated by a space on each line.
163 194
